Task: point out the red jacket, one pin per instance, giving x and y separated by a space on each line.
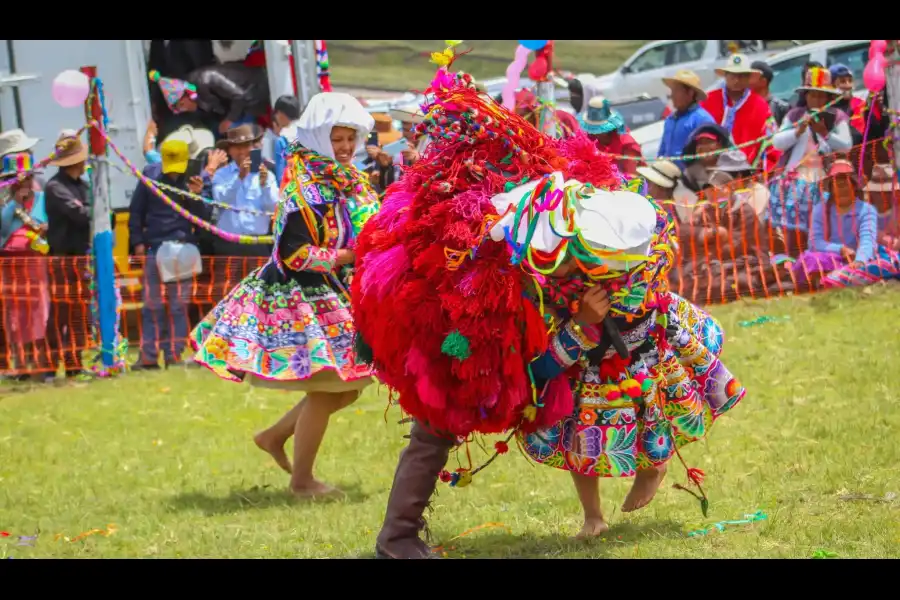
749 123
624 145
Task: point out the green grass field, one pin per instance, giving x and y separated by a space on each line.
404 64
168 459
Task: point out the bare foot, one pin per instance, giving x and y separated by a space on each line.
593 527
646 482
276 450
315 489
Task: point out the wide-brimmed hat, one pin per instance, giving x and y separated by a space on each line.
733 161
242 134
663 173
737 64
384 127
600 118
14 163
408 114
15 140
688 78
70 150
818 79
197 140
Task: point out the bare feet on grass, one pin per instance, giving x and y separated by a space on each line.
274 448
593 527
315 489
646 483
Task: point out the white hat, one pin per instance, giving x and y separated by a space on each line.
663 173
197 140
14 141
621 221
410 113
737 64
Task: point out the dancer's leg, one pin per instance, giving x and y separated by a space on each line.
414 482
646 483
273 439
588 489
312 423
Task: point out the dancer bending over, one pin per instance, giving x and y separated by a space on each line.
288 324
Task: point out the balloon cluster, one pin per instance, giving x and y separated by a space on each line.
873 76
537 71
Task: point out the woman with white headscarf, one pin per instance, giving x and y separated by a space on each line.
288 324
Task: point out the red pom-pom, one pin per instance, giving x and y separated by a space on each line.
613 395
633 392
501 447
445 476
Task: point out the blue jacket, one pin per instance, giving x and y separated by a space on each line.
678 129
151 222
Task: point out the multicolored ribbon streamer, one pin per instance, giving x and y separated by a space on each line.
762 320
721 525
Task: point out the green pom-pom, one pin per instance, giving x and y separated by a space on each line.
457 346
646 385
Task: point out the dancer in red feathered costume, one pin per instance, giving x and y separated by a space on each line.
408 300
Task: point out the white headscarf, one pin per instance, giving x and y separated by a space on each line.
326 111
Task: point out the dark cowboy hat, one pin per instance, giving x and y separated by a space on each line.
242 134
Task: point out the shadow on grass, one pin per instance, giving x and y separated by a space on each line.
501 544
254 498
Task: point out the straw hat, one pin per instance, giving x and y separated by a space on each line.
197 140
663 173
15 141
600 118
818 79
737 64
70 150
384 127
688 78
408 114
242 134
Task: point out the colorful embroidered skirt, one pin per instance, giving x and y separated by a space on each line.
691 389
835 271
283 333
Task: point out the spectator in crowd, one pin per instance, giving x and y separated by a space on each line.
410 116
662 176
23 226
233 92
251 195
152 226
66 199
801 95
843 246
529 107
607 128
381 167
706 141
760 83
734 106
285 115
175 59
842 78
806 142
686 94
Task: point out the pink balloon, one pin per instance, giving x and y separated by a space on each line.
873 76
513 73
71 88
877 47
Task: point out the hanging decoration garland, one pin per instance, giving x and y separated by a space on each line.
322 65
210 202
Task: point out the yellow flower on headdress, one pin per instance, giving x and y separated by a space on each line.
442 59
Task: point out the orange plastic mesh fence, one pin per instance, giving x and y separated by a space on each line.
729 248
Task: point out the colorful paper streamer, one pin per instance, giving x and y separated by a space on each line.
721 525
762 320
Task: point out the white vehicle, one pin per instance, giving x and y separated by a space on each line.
643 72
787 66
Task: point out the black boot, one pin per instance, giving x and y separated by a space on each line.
414 482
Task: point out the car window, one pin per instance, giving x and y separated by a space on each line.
688 51
786 76
653 58
855 57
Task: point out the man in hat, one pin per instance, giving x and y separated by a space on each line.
410 116
842 79
662 176
686 94
734 106
67 201
233 92
608 130
251 195
285 114
152 225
